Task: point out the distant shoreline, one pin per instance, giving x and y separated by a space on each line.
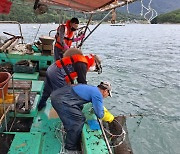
167 23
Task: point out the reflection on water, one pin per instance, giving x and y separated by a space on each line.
143 64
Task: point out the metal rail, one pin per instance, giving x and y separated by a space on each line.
96 26
105 138
79 46
14 22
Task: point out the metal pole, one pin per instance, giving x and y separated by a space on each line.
36 33
14 98
79 46
104 135
96 26
119 4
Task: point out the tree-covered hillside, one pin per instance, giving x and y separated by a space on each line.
23 12
171 17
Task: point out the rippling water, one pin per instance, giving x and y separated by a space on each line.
143 64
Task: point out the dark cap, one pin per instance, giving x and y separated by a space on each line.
75 20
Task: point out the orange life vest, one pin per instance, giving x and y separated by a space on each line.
68 61
68 35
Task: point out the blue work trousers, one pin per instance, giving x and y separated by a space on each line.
54 80
68 105
58 53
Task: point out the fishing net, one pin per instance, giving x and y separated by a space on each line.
25 66
115 133
6 67
117 136
60 134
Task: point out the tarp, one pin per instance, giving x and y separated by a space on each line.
5 6
87 5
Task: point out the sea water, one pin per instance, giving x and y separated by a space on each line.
142 62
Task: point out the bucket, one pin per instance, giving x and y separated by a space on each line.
4 79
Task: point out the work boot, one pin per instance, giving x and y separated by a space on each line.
41 106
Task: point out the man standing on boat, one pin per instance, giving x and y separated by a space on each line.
68 103
64 71
65 37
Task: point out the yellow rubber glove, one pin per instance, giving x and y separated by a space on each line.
107 116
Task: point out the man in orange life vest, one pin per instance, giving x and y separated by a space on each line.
64 71
65 37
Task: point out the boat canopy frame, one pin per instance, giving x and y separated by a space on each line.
84 6
83 40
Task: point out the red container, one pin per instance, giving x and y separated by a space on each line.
4 79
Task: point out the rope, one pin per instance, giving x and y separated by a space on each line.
120 141
149 10
115 135
60 135
123 135
155 115
127 7
137 127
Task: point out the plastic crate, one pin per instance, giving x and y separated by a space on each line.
24 68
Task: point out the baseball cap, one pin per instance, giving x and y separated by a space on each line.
107 85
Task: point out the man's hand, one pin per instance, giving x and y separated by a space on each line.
79 38
65 47
82 36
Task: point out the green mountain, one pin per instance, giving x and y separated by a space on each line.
23 12
171 17
161 6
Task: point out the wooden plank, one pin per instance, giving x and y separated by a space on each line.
26 76
20 84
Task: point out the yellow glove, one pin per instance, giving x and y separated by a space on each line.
107 116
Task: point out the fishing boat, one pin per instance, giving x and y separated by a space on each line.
25 130
113 20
